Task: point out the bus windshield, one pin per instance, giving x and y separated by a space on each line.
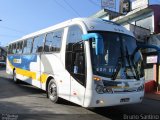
118 60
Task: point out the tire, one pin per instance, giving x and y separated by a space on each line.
15 77
52 91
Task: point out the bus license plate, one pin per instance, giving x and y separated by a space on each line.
124 100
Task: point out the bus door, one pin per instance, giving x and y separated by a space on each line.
78 78
75 64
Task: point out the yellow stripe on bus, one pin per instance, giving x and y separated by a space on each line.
27 73
43 78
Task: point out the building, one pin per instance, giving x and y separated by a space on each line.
143 19
3 54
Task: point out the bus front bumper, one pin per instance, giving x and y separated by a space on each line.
103 100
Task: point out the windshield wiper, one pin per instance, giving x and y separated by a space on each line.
135 68
119 65
129 58
117 68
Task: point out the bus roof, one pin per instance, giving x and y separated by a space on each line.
92 24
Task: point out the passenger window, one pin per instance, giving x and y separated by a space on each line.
14 48
27 46
53 41
19 47
10 49
38 44
74 36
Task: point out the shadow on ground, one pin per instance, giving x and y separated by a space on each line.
9 89
20 112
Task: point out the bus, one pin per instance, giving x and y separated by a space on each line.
89 61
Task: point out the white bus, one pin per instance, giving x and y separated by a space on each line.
90 62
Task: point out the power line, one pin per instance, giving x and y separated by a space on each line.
60 5
72 8
12 29
93 2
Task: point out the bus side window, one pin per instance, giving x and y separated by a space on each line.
17 44
75 57
14 48
53 41
19 47
27 46
48 42
57 38
9 49
38 44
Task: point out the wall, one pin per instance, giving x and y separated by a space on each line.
156 10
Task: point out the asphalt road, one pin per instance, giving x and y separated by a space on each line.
25 102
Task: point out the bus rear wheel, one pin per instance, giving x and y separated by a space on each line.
52 91
15 77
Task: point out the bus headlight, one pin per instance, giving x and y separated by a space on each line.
107 90
141 88
99 84
99 89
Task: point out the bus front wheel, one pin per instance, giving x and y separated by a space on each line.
52 91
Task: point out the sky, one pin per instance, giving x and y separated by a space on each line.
21 17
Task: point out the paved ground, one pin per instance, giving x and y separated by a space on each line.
22 101
153 95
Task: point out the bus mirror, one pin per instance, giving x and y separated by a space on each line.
99 49
144 46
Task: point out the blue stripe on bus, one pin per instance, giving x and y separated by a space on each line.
25 61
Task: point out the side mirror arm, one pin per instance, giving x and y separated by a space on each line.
143 46
98 39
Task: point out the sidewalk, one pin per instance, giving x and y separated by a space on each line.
153 95
150 88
